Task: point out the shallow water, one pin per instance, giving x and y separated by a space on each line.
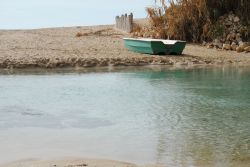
194 117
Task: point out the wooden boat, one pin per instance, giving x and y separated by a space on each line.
155 46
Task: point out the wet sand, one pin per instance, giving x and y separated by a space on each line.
73 163
99 46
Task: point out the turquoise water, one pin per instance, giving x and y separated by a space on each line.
178 117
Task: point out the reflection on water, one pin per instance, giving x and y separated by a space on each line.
192 117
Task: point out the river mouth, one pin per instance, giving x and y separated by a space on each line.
174 116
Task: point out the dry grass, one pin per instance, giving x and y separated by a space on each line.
186 20
193 20
79 34
158 22
103 32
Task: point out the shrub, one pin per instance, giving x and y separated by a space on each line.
195 20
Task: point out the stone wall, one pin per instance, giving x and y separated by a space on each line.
124 22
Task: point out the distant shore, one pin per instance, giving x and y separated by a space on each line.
97 46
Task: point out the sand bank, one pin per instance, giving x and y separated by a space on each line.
73 163
99 46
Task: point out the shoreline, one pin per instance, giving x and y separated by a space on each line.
100 46
71 162
108 69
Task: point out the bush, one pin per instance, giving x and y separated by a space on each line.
195 20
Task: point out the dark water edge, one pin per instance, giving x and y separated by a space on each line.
107 69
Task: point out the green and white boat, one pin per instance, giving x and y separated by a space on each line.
155 46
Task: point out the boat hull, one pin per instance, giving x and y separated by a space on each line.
154 47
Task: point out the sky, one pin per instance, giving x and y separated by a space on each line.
30 14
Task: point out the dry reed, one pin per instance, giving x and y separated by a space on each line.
193 20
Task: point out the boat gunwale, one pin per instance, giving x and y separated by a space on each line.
165 42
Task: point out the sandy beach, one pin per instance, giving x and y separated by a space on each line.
98 46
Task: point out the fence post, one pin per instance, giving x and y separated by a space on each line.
130 22
124 22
